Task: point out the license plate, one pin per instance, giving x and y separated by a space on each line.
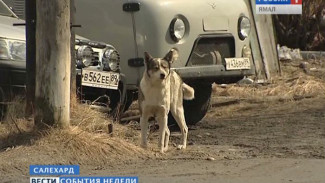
100 79
237 63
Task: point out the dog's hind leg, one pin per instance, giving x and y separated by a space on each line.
144 130
163 134
179 117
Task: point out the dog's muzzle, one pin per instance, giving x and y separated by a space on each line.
162 76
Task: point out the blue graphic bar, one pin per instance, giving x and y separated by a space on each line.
99 179
273 2
54 170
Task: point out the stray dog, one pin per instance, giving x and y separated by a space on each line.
162 90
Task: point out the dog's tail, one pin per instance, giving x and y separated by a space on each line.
188 92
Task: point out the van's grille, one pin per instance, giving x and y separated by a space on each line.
19 7
96 57
209 50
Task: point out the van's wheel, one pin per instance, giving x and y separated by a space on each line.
197 108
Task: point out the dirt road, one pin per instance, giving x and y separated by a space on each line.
267 140
252 141
244 170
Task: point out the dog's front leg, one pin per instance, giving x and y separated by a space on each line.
144 130
167 133
163 133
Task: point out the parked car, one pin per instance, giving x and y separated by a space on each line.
97 63
212 38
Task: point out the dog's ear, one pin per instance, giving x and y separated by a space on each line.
171 56
147 57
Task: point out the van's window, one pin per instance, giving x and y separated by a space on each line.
4 10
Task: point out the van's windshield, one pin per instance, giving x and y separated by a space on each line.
4 10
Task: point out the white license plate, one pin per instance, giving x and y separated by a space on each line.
237 63
100 79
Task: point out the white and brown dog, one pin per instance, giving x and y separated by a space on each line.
162 90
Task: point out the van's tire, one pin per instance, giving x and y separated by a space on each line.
197 108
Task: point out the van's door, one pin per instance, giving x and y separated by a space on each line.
106 21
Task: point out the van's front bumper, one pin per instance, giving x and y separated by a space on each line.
217 73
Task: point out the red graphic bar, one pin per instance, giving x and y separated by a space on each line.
299 2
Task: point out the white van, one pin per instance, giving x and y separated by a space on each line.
212 37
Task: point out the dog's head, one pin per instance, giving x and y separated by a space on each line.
159 68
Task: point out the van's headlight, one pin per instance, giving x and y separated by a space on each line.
12 49
177 29
111 60
85 55
244 27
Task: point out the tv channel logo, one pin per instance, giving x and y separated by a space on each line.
287 7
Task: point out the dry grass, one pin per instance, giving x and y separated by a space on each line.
293 86
83 147
14 121
86 142
286 89
293 83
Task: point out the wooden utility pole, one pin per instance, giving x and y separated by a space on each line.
30 14
53 64
73 86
